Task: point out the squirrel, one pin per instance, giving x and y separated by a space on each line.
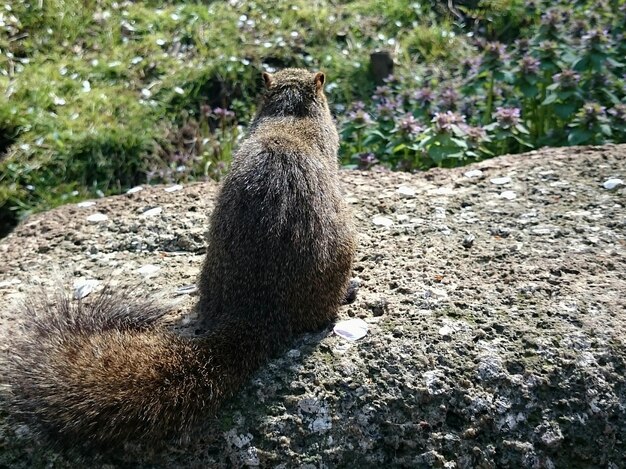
280 249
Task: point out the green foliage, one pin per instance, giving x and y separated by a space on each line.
100 95
562 82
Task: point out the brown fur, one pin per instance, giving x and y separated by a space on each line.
279 256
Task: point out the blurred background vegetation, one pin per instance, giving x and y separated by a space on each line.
100 95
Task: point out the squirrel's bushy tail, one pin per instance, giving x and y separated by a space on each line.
103 371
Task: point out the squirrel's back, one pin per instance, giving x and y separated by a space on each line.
279 256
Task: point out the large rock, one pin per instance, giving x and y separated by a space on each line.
496 311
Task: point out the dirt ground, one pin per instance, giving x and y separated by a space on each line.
496 311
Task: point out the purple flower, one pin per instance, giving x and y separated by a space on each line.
529 65
475 134
424 96
409 125
595 37
566 79
548 48
444 121
366 160
386 108
522 45
391 79
618 112
591 113
552 18
205 110
222 113
495 52
507 116
358 106
579 28
360 117
448 98
382 92
468 107
470 65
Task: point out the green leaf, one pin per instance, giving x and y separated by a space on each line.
521 129
565 111
578 136
582 64
606 130
551 98
529 90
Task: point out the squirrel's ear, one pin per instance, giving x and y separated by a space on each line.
267 79
319 80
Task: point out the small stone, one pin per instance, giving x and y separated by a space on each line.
508 195
352 329
187 289
97 218
445 331
406 191
468 241
437 292
152 212
353 289
173 188
87 203
9 283
132 190
474 173
251 458
84 287
378 307
382 221
541 231
441 191
500 181
148 269
612 184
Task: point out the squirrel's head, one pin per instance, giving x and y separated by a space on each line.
293 92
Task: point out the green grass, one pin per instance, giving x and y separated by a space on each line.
99 95
95 92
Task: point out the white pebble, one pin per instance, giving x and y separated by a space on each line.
174 188
352 329
152 212
445 331
438 292
474 173
500 181
84 287
508 195
441 191
97 218
382 221
187 290
406 191
8 283
87 203
148 269
132 190
612 183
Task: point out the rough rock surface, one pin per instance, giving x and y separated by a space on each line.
496 311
